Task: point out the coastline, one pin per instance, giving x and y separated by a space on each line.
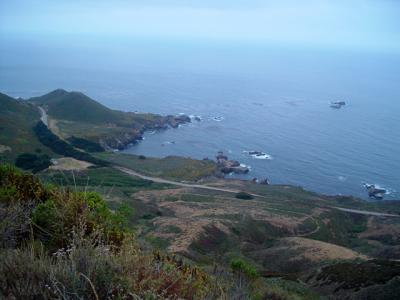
249 176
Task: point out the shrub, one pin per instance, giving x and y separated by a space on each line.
242 267
86 145
55 212
244 196
17 187
30 161
44 214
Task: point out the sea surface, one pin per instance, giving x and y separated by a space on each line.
268 98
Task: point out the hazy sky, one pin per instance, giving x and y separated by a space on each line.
365 24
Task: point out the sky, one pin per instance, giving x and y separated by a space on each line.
356 24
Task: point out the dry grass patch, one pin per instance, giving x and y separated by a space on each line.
318 251
69 164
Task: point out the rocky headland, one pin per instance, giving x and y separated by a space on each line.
121 140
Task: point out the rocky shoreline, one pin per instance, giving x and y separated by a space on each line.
125 139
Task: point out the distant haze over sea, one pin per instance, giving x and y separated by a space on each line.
249 97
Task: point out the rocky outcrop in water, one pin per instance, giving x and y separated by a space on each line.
227 166
338 104
175 121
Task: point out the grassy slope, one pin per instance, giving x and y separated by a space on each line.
77 107
171 167
16 123
63 105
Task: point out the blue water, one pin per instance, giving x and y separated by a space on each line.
266 98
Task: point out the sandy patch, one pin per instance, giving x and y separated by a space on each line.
52 124
4 148
317 251
69 164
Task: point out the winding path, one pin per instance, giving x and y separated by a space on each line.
189 185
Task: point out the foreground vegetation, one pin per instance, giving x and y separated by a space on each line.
62 244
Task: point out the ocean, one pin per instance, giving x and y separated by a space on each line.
249 97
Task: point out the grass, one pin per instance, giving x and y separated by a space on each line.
62 105
341 228
356 275
104 176
171 167
285 289
172 229
196 198
212 243
157 242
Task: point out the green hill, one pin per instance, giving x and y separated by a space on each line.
76 117
16 128
75 106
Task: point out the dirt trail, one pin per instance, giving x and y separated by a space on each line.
43 116
189 185
365 212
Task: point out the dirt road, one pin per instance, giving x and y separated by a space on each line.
189 185
365 212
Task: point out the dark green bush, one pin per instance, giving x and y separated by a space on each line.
244 196
34 162
243 267
86 145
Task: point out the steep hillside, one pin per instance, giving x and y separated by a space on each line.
17 119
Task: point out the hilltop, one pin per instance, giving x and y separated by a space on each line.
75 106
